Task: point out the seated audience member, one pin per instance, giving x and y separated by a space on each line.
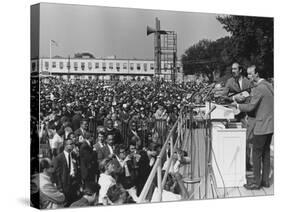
106 180
50 196
116 195
89 197
173 190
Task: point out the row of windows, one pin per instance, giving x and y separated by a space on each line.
97 65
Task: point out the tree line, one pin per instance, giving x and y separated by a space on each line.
250 41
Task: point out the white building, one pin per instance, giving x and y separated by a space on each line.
101 68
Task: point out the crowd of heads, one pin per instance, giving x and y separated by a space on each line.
119 121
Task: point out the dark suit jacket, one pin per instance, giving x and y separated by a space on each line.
233 87
262 104
80 203
63 179
116 135
88 162
78 132
103 153
76 122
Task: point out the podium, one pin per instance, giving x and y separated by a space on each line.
229 155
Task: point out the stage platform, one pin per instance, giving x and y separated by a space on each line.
197 190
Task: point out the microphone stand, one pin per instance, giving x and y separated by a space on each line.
208 139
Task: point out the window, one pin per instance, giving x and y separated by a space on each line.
68 65
151 66
124 65
33 66
54 64
46 65
97 65
75 66
131 66
145 67
61 65
104 66
138 67
118 66
83 66
90 66
110 65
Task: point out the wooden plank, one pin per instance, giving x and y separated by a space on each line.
269 191
259 192
245 192
222 192
233 192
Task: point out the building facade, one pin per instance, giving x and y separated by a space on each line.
102 68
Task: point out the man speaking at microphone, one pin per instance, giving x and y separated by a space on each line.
261 103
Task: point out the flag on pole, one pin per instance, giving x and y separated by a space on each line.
54 43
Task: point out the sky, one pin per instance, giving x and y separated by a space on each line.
107 31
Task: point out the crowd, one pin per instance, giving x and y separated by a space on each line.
101 139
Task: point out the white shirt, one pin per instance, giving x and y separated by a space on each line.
105 182
56 141
110 149
72 165
240 83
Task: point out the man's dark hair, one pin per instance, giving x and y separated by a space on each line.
115 192
44 164
260 70
91 188
119 147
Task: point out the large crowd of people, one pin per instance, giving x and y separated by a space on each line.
99 140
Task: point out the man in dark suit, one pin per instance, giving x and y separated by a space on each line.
81 132
66 173
237 82
115 132
262 104
88 162
108 149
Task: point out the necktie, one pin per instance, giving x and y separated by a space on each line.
69 163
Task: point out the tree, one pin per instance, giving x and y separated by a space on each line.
208 56
252 39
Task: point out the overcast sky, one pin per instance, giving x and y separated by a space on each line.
105 31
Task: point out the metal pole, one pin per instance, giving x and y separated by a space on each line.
50 51
159 179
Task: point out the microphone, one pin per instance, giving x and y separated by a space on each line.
212 109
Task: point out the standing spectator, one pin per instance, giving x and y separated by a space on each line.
66 173
81 132
88 162
115 132
108 149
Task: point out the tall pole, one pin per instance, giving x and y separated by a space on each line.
50 51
